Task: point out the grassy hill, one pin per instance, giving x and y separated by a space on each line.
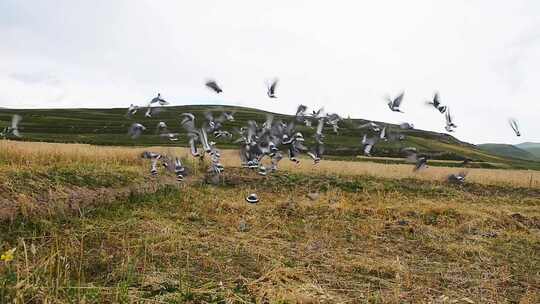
508 151
109 127
533 148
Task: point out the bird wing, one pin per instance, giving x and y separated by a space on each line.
436 100
397 101
15 120
320 126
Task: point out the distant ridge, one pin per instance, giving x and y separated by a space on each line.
531 147
507 150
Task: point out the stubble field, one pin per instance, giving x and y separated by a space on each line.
90 224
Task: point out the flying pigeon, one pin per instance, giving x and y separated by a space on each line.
368 144
132 110
212 84
136 130
514 125
272 88
161 127
395 103
179 170
14 128
449 122
383 134
159 100
370 126
420 161
436 103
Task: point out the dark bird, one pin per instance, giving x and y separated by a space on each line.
212 84
395 103
436 103
272 88
514 125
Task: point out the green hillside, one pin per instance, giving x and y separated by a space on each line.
531 147
109 127
508 151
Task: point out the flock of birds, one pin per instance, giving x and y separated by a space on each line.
268 139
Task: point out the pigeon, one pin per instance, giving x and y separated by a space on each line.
132 110
151 111
395 103
14 128
406 126
368 144
457 178
514 125
136 130
161 127
159 100
227 116
252 198
420 161
272 88
449 122
370 126
179 170
212 84
436 103
170 136
222 134
383 134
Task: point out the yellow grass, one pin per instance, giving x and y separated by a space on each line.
46 154
388 242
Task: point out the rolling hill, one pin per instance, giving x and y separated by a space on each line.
506 150
533 148
109 127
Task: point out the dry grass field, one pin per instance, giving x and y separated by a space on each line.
90 225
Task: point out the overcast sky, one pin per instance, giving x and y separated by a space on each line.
482 56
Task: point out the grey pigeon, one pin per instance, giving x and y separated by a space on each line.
132 110
136 130
395 103
272 88
212 84
159 100
449 122
368 144
14 128
457 178
514 125
406 126
370 126
436 103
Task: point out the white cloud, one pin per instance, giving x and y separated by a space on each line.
483 57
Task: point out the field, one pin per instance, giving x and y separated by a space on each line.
91 225
109 127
